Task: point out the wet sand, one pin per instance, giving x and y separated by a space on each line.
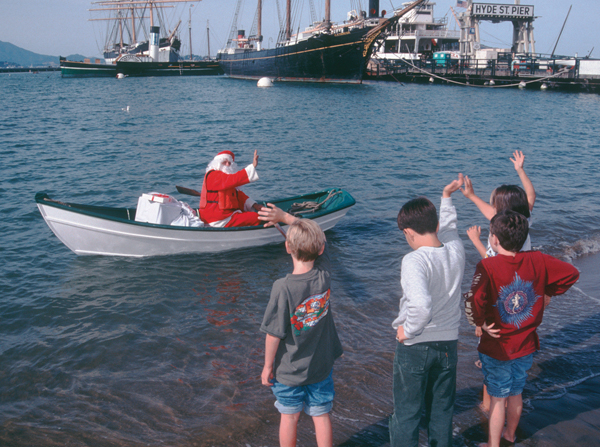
571 420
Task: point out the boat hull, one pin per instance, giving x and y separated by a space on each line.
181 68
72 69
88 230
324 58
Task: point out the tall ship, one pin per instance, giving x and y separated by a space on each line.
323 52
138 42
417 35
137 29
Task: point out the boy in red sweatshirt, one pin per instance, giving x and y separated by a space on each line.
507 299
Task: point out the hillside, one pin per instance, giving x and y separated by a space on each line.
13 55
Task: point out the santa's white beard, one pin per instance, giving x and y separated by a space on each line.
217 165
231 169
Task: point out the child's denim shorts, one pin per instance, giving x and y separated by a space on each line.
316 399
505 378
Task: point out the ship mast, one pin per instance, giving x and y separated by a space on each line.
288 20
208 38
133 24
190 31
123 5
121 34
259 25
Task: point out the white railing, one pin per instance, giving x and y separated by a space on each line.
440 34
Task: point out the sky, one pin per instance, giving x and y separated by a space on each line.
62 27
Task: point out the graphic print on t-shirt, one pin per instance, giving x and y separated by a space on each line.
515 301
310 312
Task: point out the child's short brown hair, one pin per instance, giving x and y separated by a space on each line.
511 229
305 240
419 215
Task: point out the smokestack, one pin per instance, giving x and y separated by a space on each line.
154 42
373 8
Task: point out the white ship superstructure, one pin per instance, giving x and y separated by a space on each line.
418 34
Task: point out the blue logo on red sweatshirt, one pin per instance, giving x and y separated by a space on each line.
515 302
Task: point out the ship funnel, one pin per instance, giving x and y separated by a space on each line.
373 8
241 35
154 42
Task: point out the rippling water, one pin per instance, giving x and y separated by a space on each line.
102 351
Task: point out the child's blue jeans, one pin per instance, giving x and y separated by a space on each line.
505 378
316 399
424 376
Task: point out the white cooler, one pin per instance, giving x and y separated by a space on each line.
157 209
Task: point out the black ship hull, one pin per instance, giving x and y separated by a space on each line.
181 68
71 69
340 57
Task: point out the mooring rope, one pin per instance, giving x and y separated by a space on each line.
311 206
561 71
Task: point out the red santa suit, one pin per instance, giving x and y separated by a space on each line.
221 203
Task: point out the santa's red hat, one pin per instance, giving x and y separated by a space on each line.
227 153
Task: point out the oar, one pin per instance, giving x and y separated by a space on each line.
193 192
188 191
280 230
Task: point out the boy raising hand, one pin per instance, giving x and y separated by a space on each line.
428 321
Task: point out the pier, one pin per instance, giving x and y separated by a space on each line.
423 50
578 75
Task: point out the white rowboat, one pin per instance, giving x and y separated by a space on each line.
98 230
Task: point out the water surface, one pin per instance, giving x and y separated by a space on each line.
103 351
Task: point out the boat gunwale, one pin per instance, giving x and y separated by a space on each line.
41 197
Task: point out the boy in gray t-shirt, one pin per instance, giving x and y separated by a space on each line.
301 342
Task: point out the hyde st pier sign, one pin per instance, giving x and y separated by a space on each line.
489 10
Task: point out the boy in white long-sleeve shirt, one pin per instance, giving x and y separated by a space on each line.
427 325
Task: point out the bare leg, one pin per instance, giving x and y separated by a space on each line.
485 403
323 430
287 429
497 410
513 415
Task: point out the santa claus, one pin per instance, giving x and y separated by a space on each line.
222 204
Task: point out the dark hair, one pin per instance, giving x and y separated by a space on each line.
511 229
419 215
510 197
